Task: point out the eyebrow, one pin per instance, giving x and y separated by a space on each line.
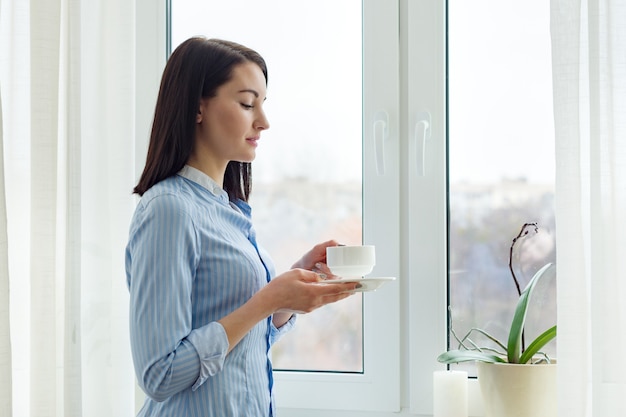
247 90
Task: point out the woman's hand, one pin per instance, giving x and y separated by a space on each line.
298 290
295 291
315 259
301 291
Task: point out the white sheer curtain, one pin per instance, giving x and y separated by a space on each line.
5 327
589 62
68 108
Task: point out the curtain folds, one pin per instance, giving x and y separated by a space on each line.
68 106
45 195
589 66
6 380
5 326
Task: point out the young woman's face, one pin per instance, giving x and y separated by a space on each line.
229 125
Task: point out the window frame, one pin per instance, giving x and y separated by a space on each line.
377 388
426 261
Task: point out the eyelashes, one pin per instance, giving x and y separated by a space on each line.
247 106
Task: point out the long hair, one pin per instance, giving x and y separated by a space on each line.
195 70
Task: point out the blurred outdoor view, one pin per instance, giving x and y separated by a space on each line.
307 175
501 164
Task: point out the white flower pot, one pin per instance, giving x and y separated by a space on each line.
512 390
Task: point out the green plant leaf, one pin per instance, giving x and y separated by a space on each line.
537 344
484 333
514 346
456 356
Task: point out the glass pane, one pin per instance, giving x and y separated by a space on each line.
501 163
307 175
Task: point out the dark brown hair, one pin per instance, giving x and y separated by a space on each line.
195 70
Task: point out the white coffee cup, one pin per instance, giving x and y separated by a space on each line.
351 261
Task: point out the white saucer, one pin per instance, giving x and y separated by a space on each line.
365 284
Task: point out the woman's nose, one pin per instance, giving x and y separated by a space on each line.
261 122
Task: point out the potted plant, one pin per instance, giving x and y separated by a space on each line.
516 379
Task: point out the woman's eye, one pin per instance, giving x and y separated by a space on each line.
247 106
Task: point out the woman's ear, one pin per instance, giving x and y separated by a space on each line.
201 110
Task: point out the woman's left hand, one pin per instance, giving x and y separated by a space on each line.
315 259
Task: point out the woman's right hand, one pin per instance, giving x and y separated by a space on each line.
295 291
302 291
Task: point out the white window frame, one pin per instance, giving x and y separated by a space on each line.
405 214
425 221
378 387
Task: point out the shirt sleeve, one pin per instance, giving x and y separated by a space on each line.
161 259
211 343
277 332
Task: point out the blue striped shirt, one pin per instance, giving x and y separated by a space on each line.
191 259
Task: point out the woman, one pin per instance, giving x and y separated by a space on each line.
205 306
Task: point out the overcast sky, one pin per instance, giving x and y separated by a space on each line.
500 101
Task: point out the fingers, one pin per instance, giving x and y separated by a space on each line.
309 276
338 297
322 274
322 246
323 271
340 290
314 301
331 288
304 291
316 254
347 291
328 294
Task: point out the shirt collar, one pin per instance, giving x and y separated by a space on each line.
201 179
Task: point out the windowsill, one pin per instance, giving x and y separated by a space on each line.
475 408
291 412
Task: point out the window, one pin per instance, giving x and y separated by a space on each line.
501 164
321 174
405 192
307 174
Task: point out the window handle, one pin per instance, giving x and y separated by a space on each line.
381 134
421 135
